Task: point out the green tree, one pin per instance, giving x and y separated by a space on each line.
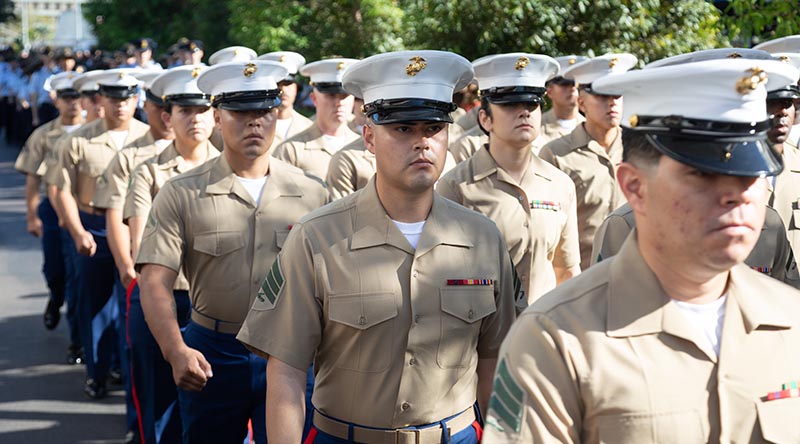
650 29
749 22
115 22
318 28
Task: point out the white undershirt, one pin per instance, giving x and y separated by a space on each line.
119 138
161 144
282 127
412 231
254 187
70 128
707 318
568 124
334 143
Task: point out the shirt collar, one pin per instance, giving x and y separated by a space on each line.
222 180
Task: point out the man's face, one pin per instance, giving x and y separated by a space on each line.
247 133
119 110
409 157
69 107
288 93
93 106
709 220
153 112
782 112
143 57
602 111
192 124
513 124
563 96
332 109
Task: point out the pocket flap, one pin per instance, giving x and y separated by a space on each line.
470 304
218 244
280 238
778 420
362 311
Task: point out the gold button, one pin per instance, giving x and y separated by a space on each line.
405 406
412 362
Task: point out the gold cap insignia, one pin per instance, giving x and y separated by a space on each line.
572 60
145 45
734 55
633 120
613 62
340 66
417 64
282 59
121 75
522 62
250 69
749 83
196 72
192 46
784 59
235 52
164 98
727 156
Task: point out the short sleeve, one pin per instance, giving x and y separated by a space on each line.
568 252
547 155
285 320
66 174
113 183
31 157
139 197
341 176
164 233
508 291
610 236
52 168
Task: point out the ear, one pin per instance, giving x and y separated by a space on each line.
581 97
633 182
165 117
217 119
314 97
485 120
368 133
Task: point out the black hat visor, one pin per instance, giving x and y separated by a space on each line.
247 100
382 112
119 92
514 94
330 87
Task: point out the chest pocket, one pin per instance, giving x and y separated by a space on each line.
361 326
656 428
779 419
92 168
463 307
218 244
280 238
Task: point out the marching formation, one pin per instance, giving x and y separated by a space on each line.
400 268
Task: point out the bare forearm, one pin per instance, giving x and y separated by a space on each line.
72 220
32 184
565 274
52 194
485 380
136 225
119 239
160 312
285 402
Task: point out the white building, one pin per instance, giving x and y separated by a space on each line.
62 18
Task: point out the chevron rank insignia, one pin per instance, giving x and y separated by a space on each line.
271 288
506 406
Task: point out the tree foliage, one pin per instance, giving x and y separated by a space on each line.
318 28
753 21
115 22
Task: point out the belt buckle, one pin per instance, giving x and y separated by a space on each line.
403 437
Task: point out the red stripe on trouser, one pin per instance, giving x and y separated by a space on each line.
478 430
312 434
136 405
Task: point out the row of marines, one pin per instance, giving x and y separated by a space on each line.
400 296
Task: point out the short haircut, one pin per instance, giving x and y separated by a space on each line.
636 149
488 110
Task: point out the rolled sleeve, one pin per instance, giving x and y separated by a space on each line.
113 184
139 197
568 251
508 290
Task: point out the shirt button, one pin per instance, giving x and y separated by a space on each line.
416 318
405 406
525 224
470 314
521 198
412 362
415 274
362 320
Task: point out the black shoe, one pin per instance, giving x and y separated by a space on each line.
115 376
132 437
95 389
52 314
75 355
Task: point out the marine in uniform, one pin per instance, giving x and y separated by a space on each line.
531 201
673 339
192 119
311 150
222 224
590 154
397 294
226 55
42 219
81 165
563 116
290 122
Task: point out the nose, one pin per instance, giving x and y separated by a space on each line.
740 190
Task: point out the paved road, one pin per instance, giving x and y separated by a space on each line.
41 397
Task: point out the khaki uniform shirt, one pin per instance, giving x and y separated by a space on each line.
88 154
551 130
594 173
32 158
468 119
772 254
309 152
393 344
117 176
147 180
536 217
471 141
299 124
51 169
353 166
608 358
206 224
785 195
